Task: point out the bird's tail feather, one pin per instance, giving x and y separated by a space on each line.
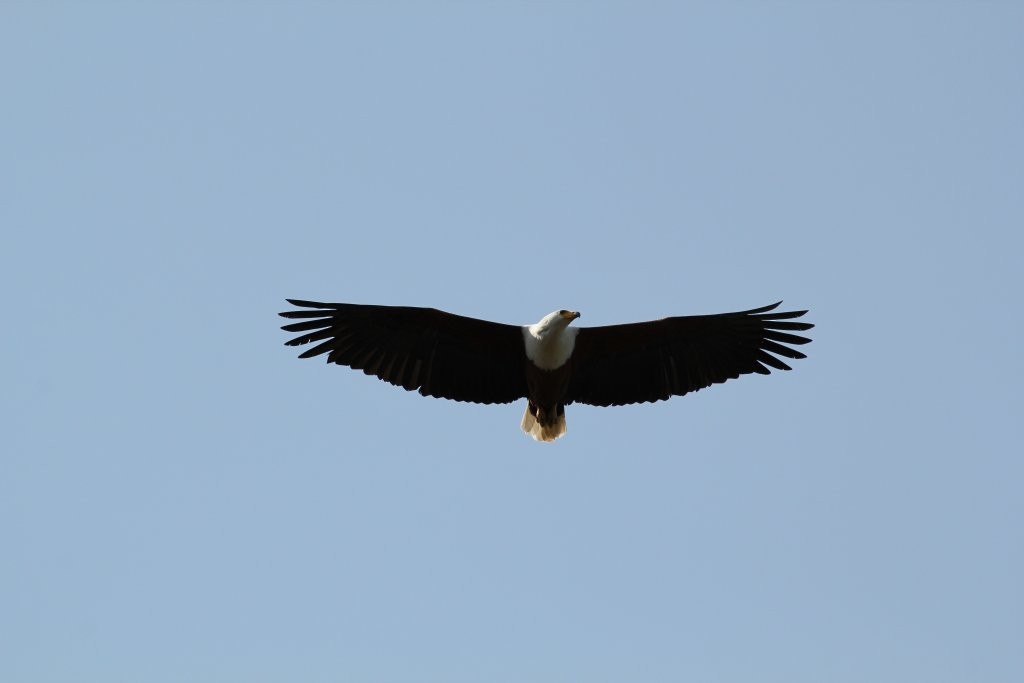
541 429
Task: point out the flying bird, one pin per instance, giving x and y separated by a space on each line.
550 363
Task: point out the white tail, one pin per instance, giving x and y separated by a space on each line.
540 432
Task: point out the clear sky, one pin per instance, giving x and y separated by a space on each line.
181 499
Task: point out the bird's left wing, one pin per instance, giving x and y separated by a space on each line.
440 354
653 361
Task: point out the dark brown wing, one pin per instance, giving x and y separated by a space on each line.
653 361
440 354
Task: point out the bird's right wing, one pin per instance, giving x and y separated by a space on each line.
653 361
440 354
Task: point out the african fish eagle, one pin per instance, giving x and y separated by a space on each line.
549 363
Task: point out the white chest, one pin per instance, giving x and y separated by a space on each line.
549 348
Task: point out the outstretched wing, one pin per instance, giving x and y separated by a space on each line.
440 354
653 361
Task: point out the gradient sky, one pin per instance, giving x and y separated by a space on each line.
181 499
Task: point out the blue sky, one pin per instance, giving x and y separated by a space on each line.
182 499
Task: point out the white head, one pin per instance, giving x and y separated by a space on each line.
550 342
555 321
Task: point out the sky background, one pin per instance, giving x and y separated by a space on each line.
181 499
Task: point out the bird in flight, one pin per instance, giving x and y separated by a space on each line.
550 363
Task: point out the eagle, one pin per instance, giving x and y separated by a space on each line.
550 363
